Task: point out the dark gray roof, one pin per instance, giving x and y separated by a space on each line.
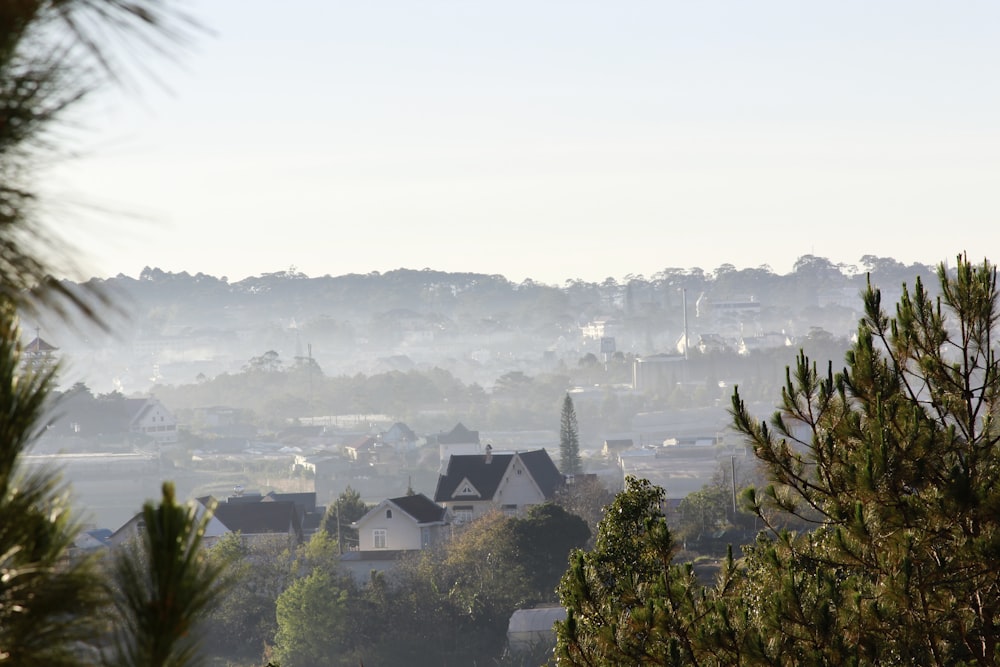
420 507
486 476
260 518
458 435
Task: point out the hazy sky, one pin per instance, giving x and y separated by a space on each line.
548 139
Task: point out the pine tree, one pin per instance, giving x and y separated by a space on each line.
895 461
569 440
882 515
49 602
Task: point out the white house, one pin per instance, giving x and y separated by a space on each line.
458 440
394 527
474 485
153 420
400 524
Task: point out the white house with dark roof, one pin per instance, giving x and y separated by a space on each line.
394 527
405 523
474 485
153 419
458 440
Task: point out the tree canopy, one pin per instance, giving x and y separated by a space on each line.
882 540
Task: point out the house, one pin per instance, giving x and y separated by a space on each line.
153 420
400 437
405 523
612 448
114 420
261 521
476 484
530 629
391 529
458 440
765 341
363 449
132 529
310 515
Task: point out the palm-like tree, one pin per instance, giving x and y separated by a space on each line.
161 586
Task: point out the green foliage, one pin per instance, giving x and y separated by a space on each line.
569 440
243 622
626 602
704 512
883 531
315 621
345 510
542 542
895 459
48 600
162 587
587 498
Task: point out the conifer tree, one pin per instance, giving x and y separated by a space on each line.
882 514
47 599
895 461
569 440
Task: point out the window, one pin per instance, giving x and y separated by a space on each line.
425 537
509 510
388 514
462 513
380 538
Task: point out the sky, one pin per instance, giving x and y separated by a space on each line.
548 140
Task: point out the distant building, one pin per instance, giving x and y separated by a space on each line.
458 440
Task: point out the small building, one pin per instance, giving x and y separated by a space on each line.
458 440
390 530
531 629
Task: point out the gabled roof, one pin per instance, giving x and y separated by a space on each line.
402 431
38 345
142 406
363 443
420 507
543 470
485 472
458 435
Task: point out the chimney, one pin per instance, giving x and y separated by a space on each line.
489 453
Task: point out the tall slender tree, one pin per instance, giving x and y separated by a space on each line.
569 440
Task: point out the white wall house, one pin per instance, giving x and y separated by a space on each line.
474 485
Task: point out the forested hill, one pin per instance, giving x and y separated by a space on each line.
175 327
813 281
